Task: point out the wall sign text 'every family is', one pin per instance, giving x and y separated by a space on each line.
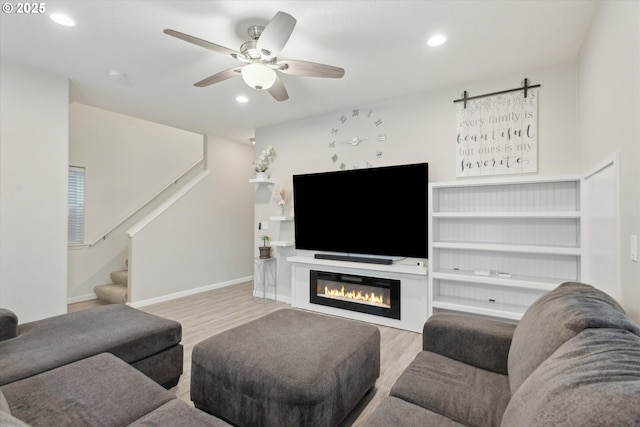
497 135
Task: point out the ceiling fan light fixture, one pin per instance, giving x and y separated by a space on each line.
62 19
258 76
436 40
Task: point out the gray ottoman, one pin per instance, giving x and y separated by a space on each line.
289 368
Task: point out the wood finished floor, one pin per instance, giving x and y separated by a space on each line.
212 312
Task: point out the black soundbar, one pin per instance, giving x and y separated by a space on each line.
384 261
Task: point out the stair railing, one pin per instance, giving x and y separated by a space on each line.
147 202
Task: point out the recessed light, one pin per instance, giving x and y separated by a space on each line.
436 40
242 99
116 75
61 19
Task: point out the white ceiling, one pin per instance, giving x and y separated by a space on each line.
380 44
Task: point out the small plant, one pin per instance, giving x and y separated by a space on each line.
267 157
265 249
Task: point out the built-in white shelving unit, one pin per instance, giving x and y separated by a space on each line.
498 245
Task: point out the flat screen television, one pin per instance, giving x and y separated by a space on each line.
374 211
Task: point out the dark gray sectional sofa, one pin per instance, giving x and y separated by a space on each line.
98 367
149 343
572 360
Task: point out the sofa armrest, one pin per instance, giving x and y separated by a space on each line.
479 342
8 324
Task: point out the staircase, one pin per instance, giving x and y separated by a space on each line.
116 292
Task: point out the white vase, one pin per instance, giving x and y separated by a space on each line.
261 175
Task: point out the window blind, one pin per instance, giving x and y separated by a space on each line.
76 205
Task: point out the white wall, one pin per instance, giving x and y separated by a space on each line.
33 191
127 162
422 128
609 119
204 240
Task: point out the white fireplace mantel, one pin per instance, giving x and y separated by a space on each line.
413 289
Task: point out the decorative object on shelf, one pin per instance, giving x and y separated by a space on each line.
281 194
498 134
265 249
357 140
261 165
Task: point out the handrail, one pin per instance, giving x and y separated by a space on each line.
149 200
166 204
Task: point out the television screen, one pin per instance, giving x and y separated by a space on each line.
375 211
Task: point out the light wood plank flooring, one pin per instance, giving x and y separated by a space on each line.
212 312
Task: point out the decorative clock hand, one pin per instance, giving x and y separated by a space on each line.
354 141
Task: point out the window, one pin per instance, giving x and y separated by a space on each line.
76 206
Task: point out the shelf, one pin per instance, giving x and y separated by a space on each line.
281 243
485 308
281 218
503 215
261 181
513 281
495 247
512 180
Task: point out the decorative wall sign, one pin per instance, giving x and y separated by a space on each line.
497 134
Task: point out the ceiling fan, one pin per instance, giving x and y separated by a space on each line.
260 57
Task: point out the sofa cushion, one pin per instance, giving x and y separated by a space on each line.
592 380
8 324
177 413
126 332
461 392
393 411
98 391
483 343
555 318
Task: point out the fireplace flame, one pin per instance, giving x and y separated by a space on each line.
367 297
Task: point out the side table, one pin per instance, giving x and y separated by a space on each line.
266 269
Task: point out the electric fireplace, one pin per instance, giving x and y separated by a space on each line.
371 295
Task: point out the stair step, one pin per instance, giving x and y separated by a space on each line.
112 293
120 277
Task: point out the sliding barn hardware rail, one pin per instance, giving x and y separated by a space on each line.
525 86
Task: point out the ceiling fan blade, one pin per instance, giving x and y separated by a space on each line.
221 76
309 69
275 34
202 43
278 90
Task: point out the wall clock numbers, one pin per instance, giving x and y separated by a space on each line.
357 140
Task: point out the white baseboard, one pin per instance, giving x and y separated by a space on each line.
164 298
280 298
81 298
270 296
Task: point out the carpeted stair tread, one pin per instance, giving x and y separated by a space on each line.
120 277
112 293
